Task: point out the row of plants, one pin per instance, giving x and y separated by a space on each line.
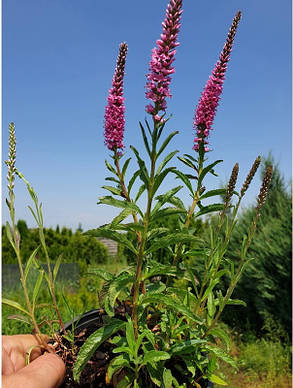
151 332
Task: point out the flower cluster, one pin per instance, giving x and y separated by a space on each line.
157 86
114 114
206 109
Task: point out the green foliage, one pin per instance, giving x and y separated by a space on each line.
266 284
74 247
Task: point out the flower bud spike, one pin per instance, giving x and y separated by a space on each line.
231 184
250 176
264 188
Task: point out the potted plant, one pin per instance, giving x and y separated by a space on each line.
151 331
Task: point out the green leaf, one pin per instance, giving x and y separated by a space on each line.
29 262
166 142
172 238
156 288
20 318
124 168
169 302
187 162
155 356
221 354
107 276
143 173
121 216
237 302
155 373
108 200
9 235
188 346
139 192
110 178
217 380
92 344
168 211
37 288
115 287
220 333
162 199
159 179
112 235
160 269
15 305
209 289
132 180
127 380
165 161
209 209
167 378
56 267
212 193
130 335
110 167
113 190
184 178
211 306
145 139
207 169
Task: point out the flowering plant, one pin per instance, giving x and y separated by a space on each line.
168 325
167 336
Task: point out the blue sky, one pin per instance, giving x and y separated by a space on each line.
58 61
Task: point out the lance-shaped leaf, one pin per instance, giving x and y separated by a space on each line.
113 190
155 356
20 318
143 173
188 346
145 139
159 269
184 178
108 200
159 179
121 216
168 211
206 170
132 180
92 344
212 193
116 364
221 354
169 302
165 161
101 273
56 267
112 235
16 305
139 192
37 288
110 167
166 142
220 333
237 302
124 168
210 209
187 162
115 287
110 178
217 380
171 239
30 262
162 199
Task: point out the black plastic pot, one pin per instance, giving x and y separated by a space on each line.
93 317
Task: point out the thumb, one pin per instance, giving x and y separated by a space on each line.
46 371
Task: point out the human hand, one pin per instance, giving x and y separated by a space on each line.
44 371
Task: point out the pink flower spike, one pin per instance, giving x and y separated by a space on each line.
158 80
210 97
114 114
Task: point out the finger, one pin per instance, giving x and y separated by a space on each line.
46 371
16 347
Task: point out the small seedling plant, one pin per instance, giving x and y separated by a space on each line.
171 337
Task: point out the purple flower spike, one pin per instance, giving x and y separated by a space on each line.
114 114
157 86
209 100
